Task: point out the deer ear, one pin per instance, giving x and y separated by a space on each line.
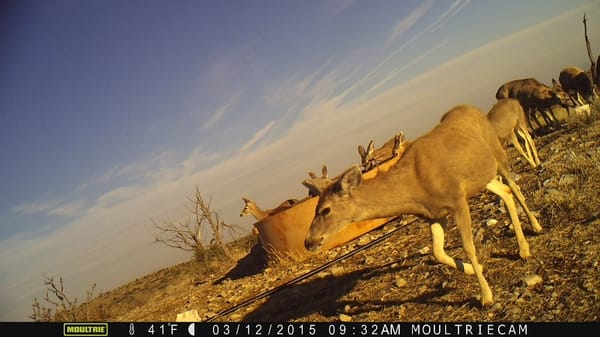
312 175
246 200
399 140
349 180
401 136
324 171
362 153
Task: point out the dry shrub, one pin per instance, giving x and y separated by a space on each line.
212 258
243 245
278 259
59 308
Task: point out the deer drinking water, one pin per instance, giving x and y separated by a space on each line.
373 161
434 178
251 208
371 158
577 84
535 96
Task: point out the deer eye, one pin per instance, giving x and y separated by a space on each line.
325 211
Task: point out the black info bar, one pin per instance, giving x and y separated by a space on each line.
300 329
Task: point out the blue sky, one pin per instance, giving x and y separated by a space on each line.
111 112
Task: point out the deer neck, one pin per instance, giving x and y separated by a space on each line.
258 213
390 194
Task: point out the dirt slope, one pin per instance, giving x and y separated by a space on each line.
399 280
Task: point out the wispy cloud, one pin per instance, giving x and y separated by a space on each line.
257 136
36 206
456 7
415 60
55 207
407 22
222 110
335 7
403 25
69 209
226 72
142 168
117 195
284 93
104 178
198 157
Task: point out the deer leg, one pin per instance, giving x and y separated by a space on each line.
547 119
536 118
504 192
437 234
516 190
528 156
553 118
573 100
580 99
529 126
532 117
550 121
463 222
530 144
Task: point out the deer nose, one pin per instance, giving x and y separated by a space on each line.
313 244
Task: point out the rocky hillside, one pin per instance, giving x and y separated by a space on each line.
399 280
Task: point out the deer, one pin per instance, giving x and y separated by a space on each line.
540 99
251 208
534 97
433 179
577 84
508 119
372 161
371 157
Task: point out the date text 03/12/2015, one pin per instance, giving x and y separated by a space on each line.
366 329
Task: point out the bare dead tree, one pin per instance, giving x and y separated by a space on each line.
183 235
589 52
187 235
204 208
40 313
65 309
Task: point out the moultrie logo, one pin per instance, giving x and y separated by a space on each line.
85 329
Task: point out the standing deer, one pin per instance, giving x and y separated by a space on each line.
509 121
534 97
434 178
577 84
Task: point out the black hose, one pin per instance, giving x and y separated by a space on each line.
307 275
